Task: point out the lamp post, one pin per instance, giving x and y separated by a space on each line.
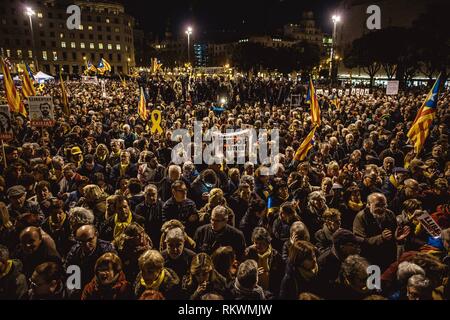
335 19
30 12
188 32
128 65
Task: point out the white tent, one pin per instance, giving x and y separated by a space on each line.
16 78
42 77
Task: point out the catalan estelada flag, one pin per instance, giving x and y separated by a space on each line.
103 66
306 145
64 98
311 98
90 68
420 128
12 96
335 101
142 106
28 88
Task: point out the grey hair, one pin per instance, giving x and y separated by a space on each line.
315 195
445 234
352 265
80 215
250 180
220 210
374 195
419 282
407 269
175 234
247 275
261 234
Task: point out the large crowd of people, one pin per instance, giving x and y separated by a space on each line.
99 192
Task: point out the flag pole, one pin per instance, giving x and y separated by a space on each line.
4 154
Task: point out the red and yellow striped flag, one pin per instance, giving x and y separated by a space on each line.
12 96
306 145
27 85
142 106
311 97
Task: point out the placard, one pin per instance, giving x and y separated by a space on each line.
392 87
6 132
347 92
41 111
429 224
296 100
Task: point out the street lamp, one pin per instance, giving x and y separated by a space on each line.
30 12
128 65
188 32
335 18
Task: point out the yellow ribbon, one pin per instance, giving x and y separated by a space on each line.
156 120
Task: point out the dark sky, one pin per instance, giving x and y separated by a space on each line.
212 16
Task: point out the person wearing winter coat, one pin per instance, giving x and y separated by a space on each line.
245 286
13 283
271 266
203 278
109 282
154 275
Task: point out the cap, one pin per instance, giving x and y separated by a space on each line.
16 191
343 236
75 150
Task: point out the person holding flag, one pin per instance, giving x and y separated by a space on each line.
12 96
420 128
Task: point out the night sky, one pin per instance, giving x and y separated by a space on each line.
214 18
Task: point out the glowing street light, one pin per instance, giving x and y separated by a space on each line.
188 32
30 12
335 18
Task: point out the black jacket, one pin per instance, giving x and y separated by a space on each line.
13 286
276 266
153 219
208 240
182 264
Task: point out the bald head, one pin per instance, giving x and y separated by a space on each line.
87 237
31 239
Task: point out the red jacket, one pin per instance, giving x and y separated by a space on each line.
121 290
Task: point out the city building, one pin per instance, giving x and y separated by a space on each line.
353 13
106 31
305 31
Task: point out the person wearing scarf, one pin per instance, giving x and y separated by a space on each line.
154 276
245 286
301 272
113 227
13 283
270 263
109 282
